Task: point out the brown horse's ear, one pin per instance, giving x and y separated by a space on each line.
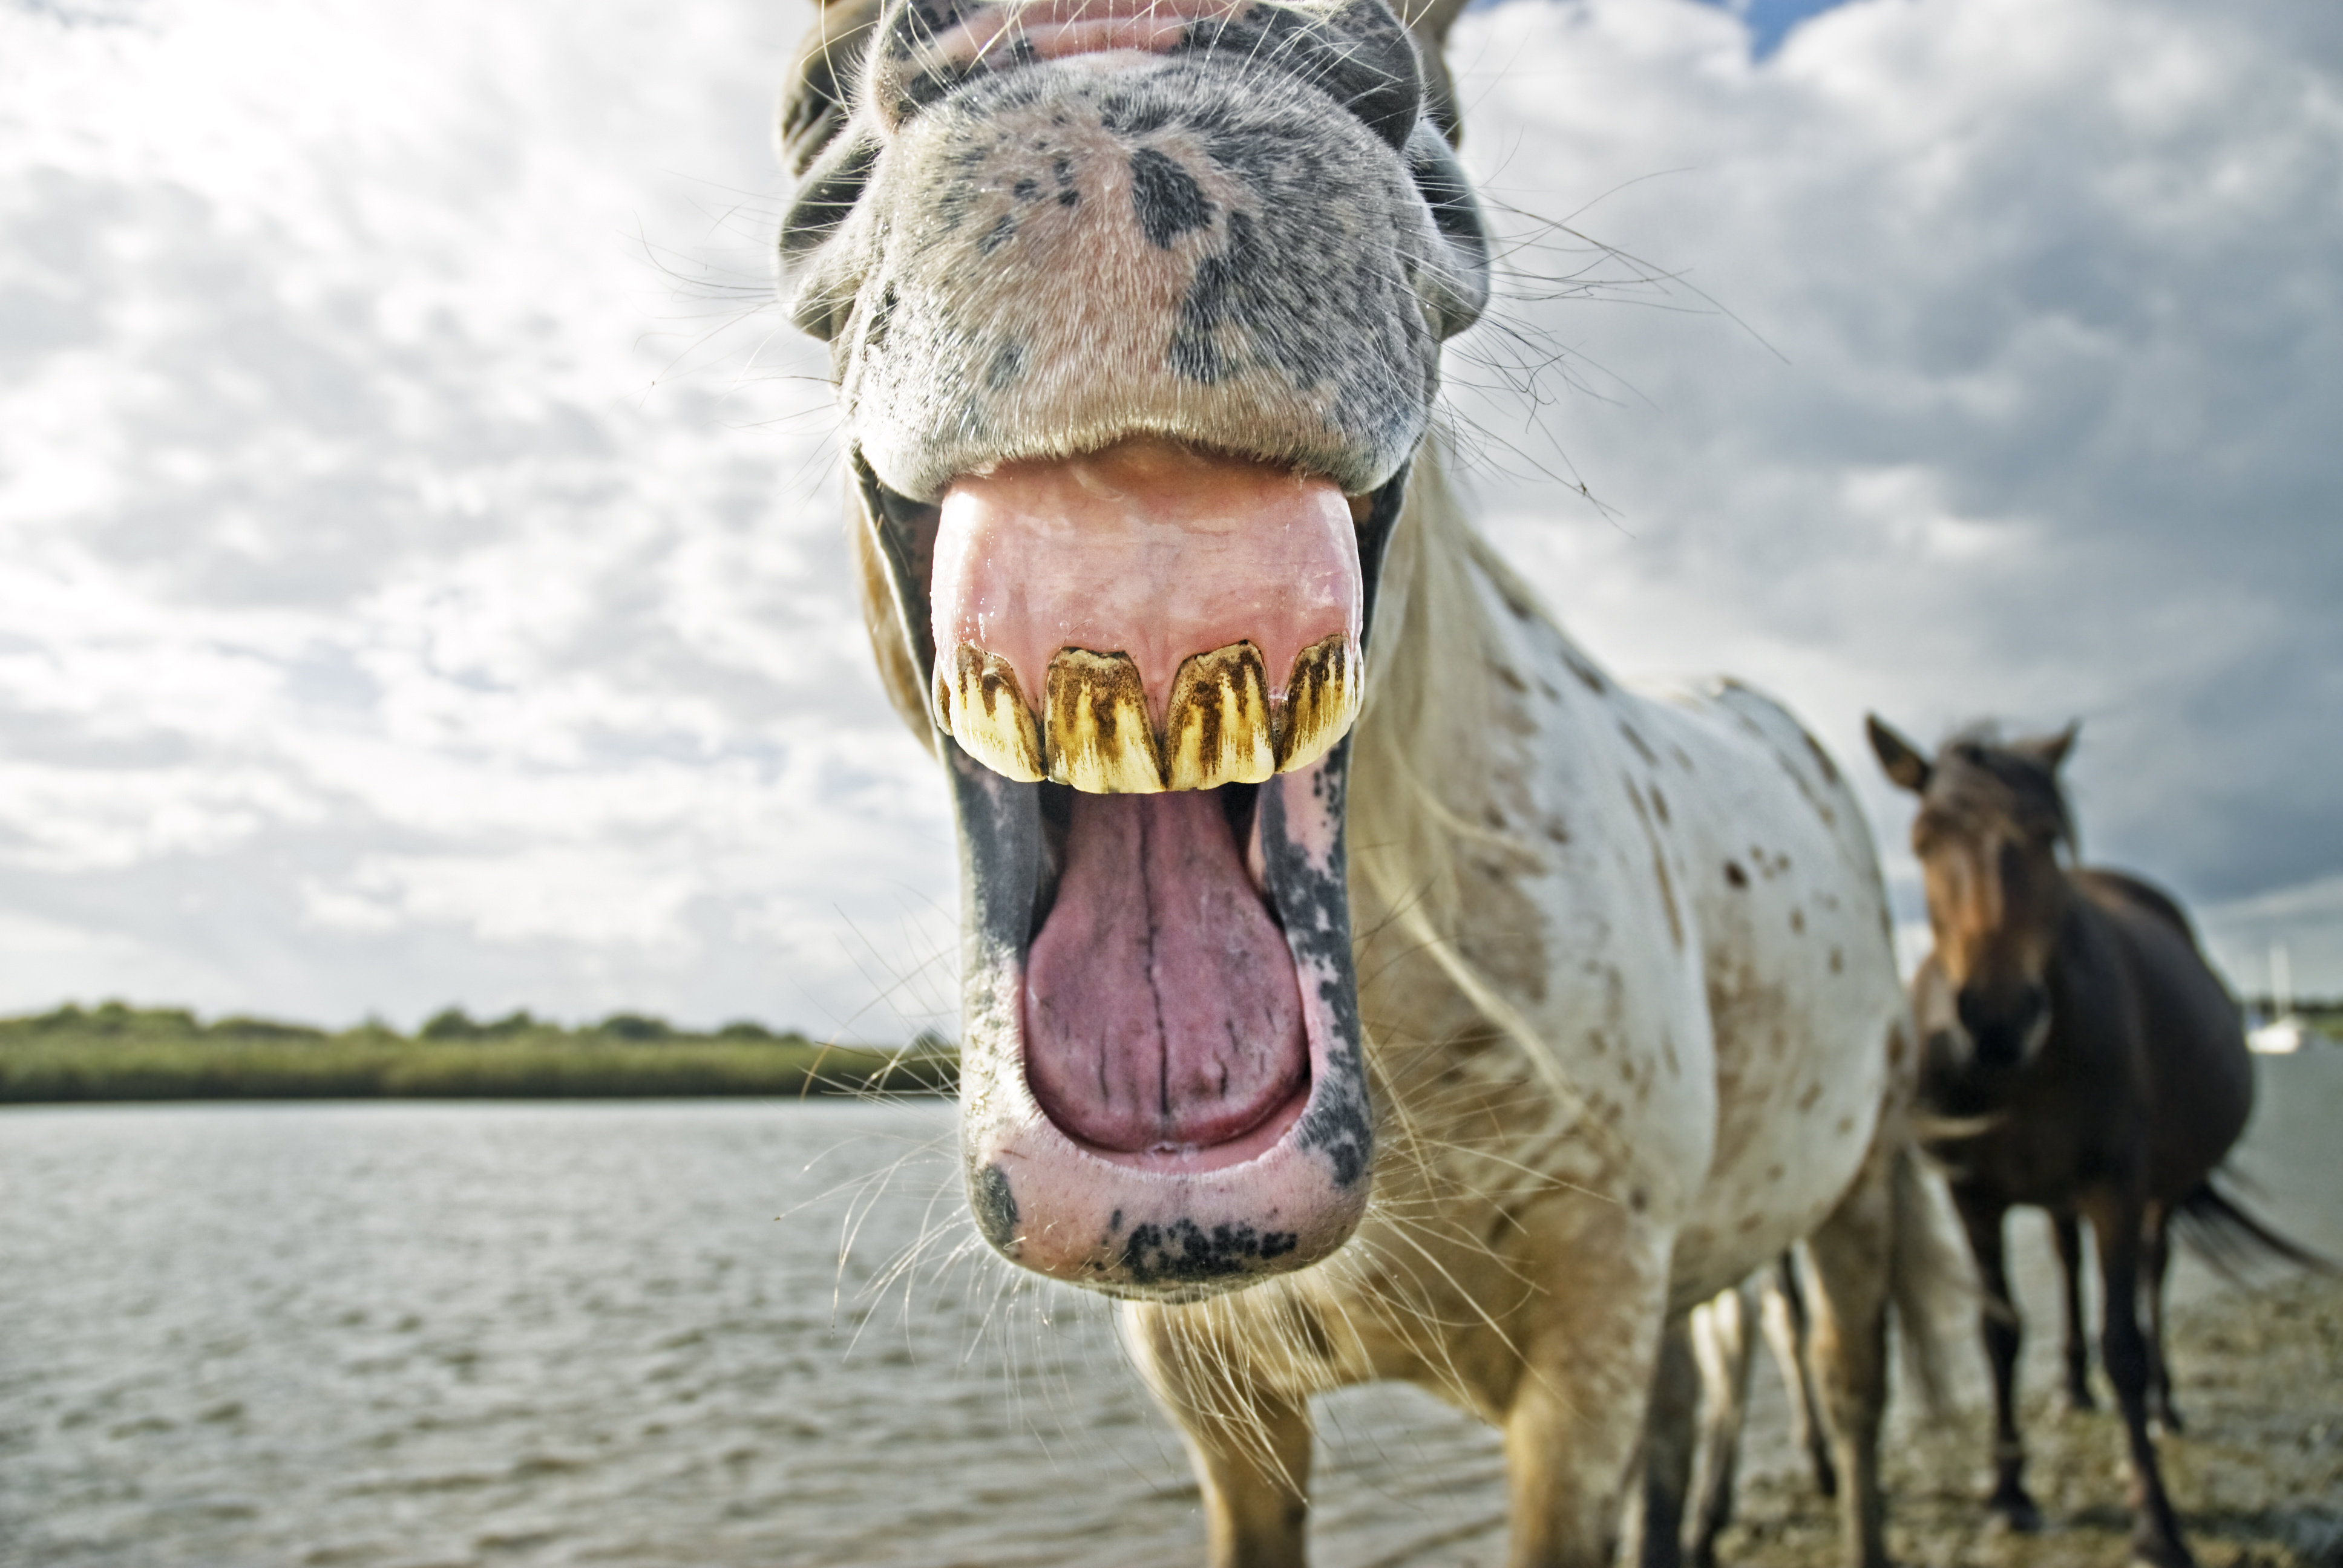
1904 762
2053 748
1429 21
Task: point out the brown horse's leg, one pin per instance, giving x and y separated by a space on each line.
1251 1447
1850 1253
2156 1254
1999 1326
2115 1227
2069 1232
1668 1428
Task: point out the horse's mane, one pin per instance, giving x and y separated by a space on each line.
1421 748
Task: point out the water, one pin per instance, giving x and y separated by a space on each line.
434 1334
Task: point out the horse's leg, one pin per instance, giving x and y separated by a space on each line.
2155 1257
1850 1253
2002 1331
1670 1422
1722 1343
1574 1423
2116 1221
1787 1330
2069 1232
1249 1447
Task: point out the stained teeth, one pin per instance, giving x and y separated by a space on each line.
1217 729
979 702
1322 698
1099 739
1220 727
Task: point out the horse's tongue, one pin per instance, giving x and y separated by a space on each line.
1161 1004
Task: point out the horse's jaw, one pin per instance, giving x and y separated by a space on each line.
1277 1185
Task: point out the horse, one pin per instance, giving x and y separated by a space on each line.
2079 1055
1725 1330
1357 980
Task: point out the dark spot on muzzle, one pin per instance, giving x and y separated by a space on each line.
994 1206
1166 201
1186 1254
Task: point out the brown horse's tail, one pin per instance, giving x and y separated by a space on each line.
2218 1230
1929 1279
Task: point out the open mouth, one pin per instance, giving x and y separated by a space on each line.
1163 1021
1147 660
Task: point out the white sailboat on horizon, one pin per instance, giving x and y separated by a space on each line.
2285 1033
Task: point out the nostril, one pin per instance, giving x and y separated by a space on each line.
1970 1007
2000 1025
2033 1004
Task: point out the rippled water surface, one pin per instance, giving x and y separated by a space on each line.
439 1334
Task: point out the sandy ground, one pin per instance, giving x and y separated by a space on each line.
2257 1476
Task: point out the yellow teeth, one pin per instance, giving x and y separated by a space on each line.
978 702
1221 726
1322 699
1217 729
1099 740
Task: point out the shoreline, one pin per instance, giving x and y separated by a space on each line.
118 1054
2256 1476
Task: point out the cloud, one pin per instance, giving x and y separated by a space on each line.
421 538
426 577
2035 334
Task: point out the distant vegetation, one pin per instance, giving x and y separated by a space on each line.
115 1052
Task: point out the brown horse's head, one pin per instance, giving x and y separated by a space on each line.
1135 308
1991 823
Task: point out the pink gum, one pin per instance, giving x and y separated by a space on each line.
1147 548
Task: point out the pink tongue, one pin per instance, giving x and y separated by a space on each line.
1161 1002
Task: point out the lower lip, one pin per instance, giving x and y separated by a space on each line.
1266 1135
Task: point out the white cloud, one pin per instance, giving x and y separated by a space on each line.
420 539
2029 414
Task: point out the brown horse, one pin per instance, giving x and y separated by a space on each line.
2079 1055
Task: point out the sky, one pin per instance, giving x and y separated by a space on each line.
422 576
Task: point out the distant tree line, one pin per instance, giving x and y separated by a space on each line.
115 1052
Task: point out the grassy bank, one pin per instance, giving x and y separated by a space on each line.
117 1053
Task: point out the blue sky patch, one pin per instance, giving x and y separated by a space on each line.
1770 21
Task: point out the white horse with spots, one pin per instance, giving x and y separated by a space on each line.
1358 981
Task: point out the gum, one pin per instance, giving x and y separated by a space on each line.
1148 549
